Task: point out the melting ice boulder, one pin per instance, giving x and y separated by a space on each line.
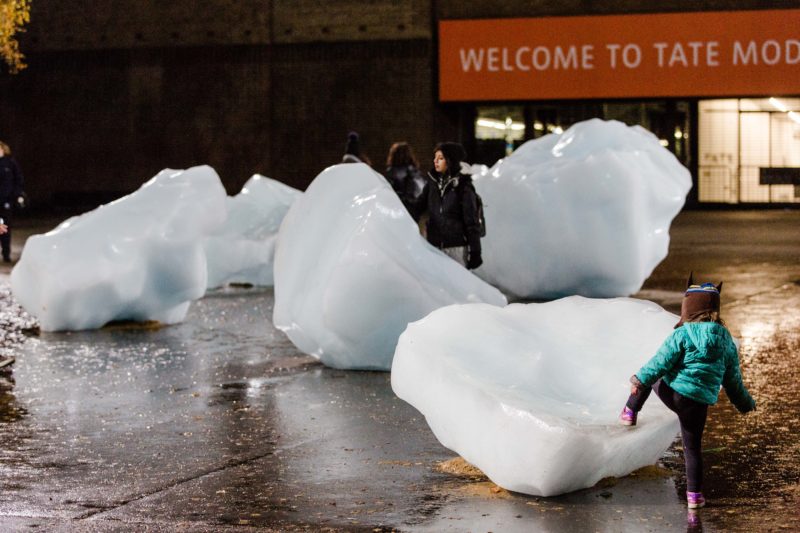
243 248
351 271
530 394
140 257
584 212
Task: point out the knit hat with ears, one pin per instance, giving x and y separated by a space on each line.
698 299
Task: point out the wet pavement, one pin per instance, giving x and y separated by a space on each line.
220 424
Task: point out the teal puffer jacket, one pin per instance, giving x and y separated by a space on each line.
695 360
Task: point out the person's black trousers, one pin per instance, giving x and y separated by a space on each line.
692 416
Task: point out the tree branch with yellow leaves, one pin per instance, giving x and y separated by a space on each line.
14 14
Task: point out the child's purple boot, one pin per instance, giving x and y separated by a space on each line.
695 500
628 417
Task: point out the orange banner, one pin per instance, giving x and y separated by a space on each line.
707 54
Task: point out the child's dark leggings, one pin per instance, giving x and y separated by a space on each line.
692 416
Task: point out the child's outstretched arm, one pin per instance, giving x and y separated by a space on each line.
734 387
667 356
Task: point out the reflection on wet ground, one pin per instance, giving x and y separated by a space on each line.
220 424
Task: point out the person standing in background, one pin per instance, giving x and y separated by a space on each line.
11 195
352 150
451 203
403 174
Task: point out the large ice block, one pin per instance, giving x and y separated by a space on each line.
139 258
530 394
242 249
583 212
351 271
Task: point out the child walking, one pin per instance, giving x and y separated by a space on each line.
686 373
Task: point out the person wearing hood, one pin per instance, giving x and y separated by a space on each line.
352 150
11 196
686 374
451 203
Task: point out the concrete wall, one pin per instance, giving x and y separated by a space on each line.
118 89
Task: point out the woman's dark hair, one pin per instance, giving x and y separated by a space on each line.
401 155
453 154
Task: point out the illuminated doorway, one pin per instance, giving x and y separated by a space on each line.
749 150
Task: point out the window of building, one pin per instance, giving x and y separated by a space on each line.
742 141
499 129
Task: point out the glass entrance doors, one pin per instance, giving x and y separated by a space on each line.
749 150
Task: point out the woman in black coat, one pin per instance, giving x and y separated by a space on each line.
451 203
403 174
10 195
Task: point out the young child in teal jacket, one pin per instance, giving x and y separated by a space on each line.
686 373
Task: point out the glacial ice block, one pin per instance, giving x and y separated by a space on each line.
242 249
351 271
139 258
583 212
530 394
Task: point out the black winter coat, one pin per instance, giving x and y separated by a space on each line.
10 180
452 208
407 182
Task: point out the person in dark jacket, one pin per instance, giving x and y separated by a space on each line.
11 195
686 373
352 150
450 201
402 173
